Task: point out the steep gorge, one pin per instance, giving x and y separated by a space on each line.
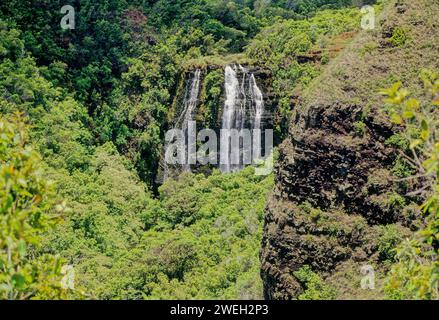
337 199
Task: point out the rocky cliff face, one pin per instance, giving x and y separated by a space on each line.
338 203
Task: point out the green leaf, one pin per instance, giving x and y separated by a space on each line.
22 248
409 114
425 132
18 281
412 104
8 203
396 118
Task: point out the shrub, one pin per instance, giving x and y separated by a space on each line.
315 287
27 210
399 37
416 273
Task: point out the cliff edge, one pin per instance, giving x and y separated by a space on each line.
338 204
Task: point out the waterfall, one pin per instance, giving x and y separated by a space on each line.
243 113
191 99
190 102
239 86
190 105
240 119
231 85
257 111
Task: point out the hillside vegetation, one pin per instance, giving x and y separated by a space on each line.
83 118
353 174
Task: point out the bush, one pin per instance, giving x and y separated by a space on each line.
315 287
399 37
416 273
27 209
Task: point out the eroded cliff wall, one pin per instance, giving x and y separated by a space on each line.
338 201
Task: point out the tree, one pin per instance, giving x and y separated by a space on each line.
416 273
27 209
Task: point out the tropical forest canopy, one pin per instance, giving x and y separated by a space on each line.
83 118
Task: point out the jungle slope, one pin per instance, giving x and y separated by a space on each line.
337 204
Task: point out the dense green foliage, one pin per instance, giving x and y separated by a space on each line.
200 239
114 229
97 101
124 58
27 209
315 287
416 273
294 51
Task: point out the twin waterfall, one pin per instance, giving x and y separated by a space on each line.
243 109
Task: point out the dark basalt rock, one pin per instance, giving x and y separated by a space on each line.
325 164
335 189
331 164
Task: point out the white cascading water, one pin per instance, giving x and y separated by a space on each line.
231 85
240 119
235 108
190 105
243 98
258 110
